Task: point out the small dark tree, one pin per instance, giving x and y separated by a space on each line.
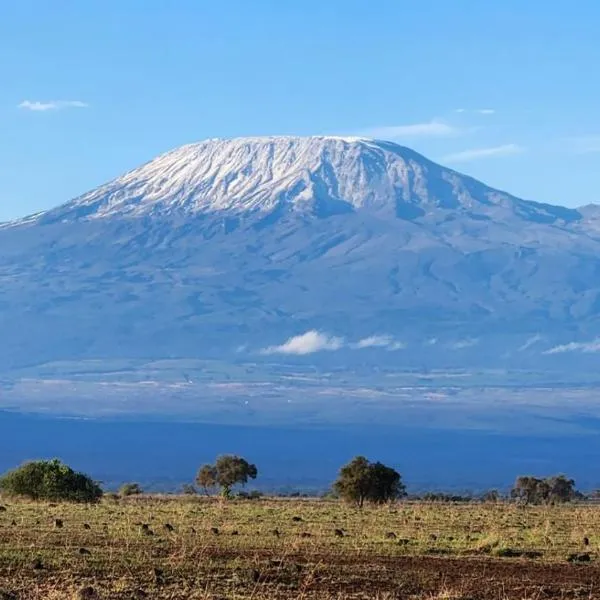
130 489
233 470
50 480
207 478
361 481
228 471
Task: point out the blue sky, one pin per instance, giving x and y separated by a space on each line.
504 91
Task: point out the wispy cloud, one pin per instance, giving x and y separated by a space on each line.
585 144
379 341
37 106
479 153
534 339
416 130
307 343
466 343
479 111
587 347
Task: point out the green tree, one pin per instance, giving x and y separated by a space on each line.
360 481
228 471
50 480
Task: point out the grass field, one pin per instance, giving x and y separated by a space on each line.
180 548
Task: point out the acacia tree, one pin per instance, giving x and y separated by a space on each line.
361 480
228 471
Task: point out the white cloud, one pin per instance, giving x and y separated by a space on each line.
466 343
587 347
38 106
478 111
307 343
379 341
477 153
416 130
534 339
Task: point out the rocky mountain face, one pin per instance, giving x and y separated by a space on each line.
230 247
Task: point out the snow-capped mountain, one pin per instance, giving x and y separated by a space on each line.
243 243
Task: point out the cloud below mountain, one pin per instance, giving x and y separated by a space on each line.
317 341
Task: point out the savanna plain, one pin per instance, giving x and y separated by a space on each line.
180 547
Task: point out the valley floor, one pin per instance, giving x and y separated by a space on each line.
191 548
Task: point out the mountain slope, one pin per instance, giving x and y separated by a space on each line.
231 243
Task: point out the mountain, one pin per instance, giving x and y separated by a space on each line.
227 248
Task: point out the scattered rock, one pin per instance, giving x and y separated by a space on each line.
37 564
87 593
158 575
579 557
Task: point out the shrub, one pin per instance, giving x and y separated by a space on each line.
130 489
188 489
50 480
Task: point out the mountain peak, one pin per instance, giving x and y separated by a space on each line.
320 176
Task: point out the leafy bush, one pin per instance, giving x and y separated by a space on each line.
50 480
130 489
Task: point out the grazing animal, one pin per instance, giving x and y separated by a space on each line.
390 535
58 523
214 530
84 552
305 534
235 532
338 532
87 593
169 527
2 508
158 575
297 519
586 541
37 564
276 532
579 558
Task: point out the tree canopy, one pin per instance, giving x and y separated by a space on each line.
228 471
361 480
551 490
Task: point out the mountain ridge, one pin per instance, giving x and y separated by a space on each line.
245 243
